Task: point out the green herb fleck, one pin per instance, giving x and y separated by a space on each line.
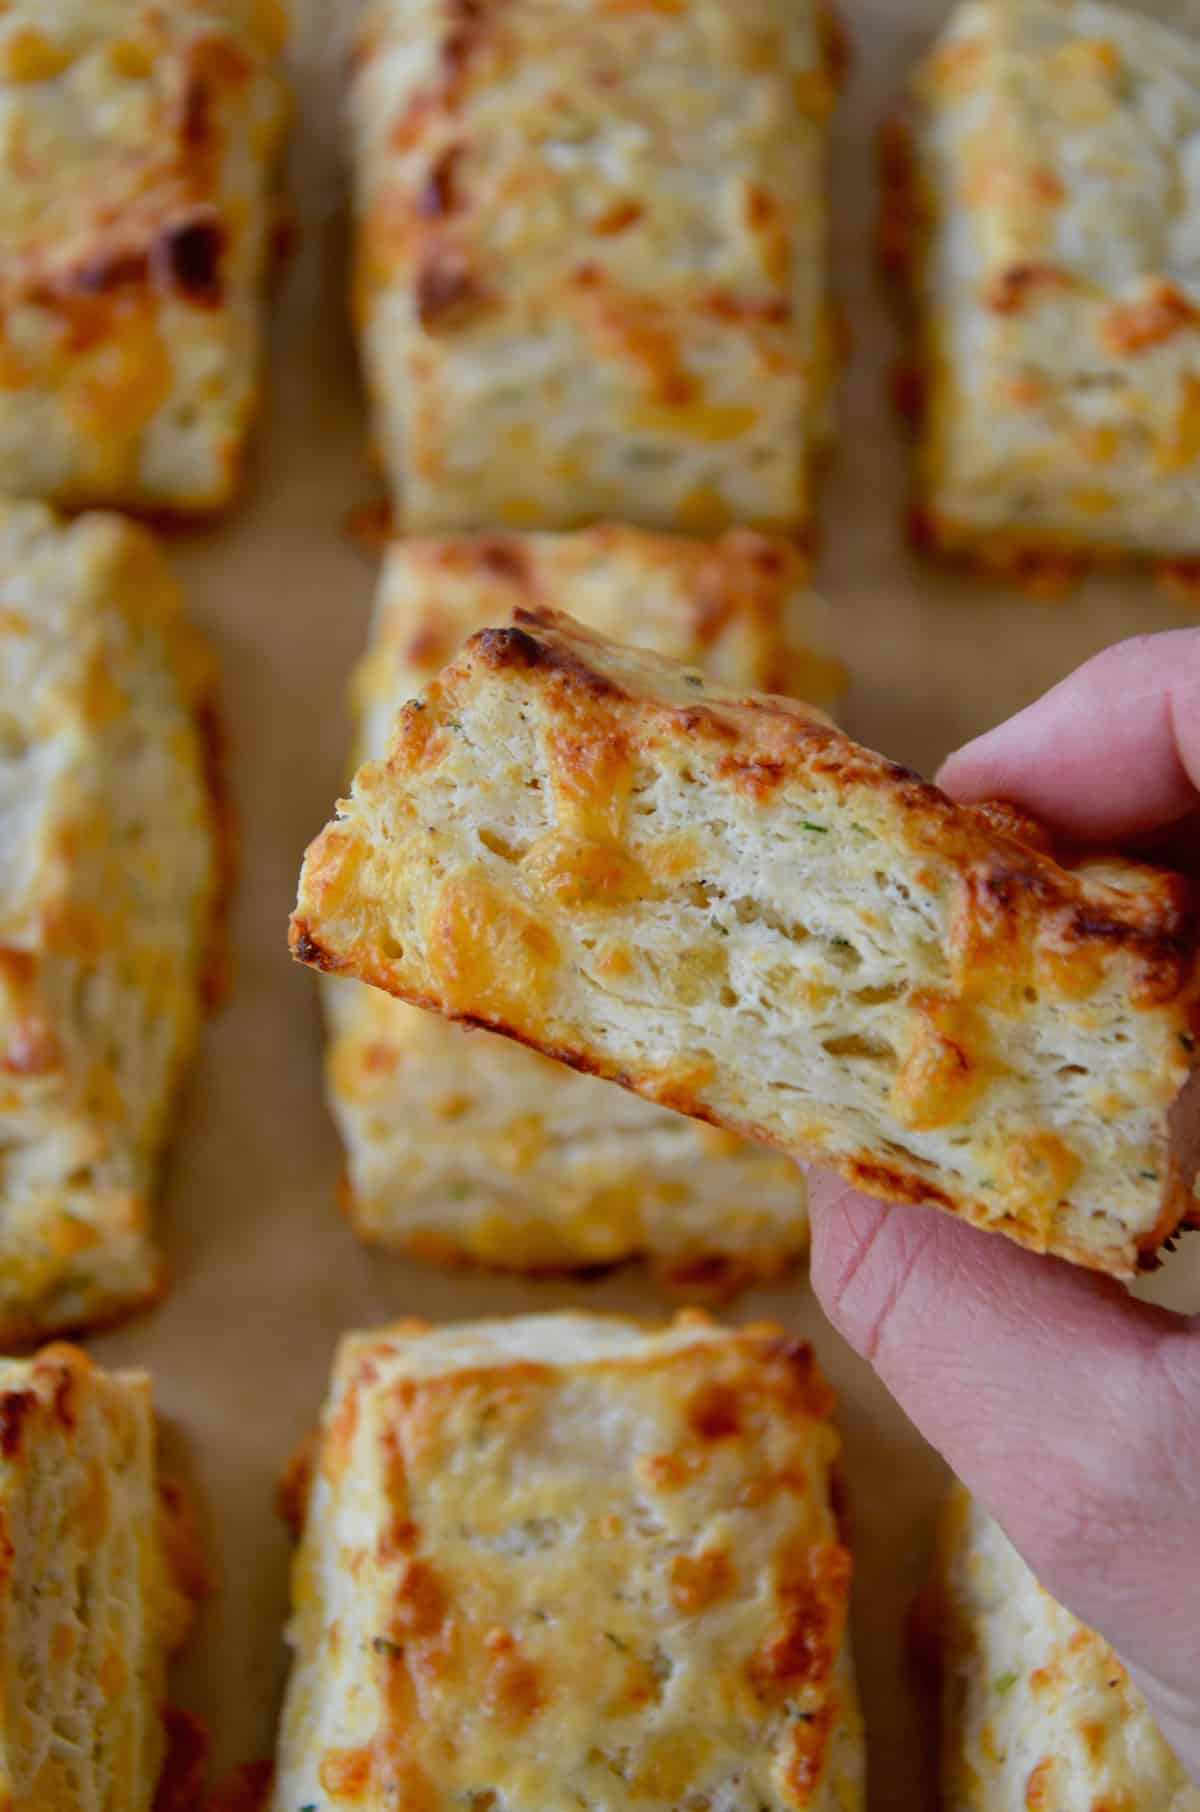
822 830
1148 1176
458 1192
860 828
621 1647
1006 1682
841 943
382 1646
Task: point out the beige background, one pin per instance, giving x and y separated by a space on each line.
266 1274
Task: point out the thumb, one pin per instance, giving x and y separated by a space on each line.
1067 1408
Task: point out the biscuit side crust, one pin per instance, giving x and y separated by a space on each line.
110 840
89 1607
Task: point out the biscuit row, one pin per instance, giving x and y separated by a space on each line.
591 264
538 1560
592 271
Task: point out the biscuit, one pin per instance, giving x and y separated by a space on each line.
92 1601
1052 211
1036 1709
725 904
561 1558
460 1146
137 139
591 259
110 851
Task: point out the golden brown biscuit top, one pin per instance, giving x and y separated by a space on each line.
583 1554
112 134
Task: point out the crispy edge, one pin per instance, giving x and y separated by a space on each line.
247 1789
711 1278
181 1783
24 1332
216 973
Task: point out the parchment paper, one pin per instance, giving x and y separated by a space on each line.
266 1274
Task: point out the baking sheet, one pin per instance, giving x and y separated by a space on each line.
266 1274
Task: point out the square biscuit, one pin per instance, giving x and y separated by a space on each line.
720 901
95 1589
460 1146
1036 1709
137 139
109 843
1054 199
560 1560
591 264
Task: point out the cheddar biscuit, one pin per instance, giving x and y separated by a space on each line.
136 209
110 853
1037 1710
560 1557
1055 214
591 261
460 1146
93 1598
723 903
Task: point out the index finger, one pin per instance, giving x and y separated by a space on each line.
1110 754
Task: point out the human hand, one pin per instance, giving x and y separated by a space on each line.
1070 1410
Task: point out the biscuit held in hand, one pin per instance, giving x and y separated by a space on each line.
723 903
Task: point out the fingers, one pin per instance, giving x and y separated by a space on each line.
1111 754
1070 1410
